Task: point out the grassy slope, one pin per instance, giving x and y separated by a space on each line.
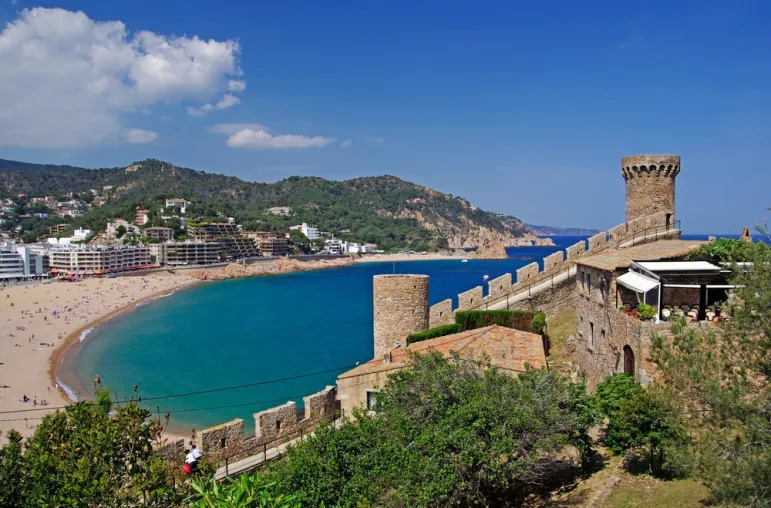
644 491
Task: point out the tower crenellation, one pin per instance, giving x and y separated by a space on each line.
650 185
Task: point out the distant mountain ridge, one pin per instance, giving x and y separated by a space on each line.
559 231
384 210
8 165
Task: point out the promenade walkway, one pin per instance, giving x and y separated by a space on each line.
535 289
258 460
253 462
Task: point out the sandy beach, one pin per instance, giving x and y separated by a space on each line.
39 321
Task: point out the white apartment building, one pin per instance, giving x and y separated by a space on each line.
177 203
334 246
310 232
20 262
354 248
97 260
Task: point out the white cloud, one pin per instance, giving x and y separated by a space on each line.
262 139
236 85
232 128
346 143
373 139
67 80
140 136
227 101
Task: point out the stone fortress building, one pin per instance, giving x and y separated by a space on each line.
592 278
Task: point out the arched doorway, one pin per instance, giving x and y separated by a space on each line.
628 361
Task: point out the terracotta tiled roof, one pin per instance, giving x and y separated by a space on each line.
622 258
502 347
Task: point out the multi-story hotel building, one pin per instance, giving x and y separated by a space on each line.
160 233
98 260
274 246
21 262
186 253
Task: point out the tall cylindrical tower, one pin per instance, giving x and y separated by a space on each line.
650 185
401 308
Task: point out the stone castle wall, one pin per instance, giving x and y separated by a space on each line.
273 427
400 308
650 184
555 296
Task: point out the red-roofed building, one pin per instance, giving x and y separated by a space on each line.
498 346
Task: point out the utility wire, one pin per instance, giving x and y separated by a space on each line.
469 336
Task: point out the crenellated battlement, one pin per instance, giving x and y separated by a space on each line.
653 165
556 266
273 427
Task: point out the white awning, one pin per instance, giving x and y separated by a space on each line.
636 282
679 266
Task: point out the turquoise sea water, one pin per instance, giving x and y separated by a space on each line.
237 332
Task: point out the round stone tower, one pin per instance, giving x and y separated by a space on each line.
401 308
650 185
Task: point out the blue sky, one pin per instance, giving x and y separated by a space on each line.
522 107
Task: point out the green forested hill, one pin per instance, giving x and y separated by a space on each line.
385 210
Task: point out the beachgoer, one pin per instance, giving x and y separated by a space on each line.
196 453
24 398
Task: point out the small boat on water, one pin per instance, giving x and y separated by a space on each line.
485 277
464 260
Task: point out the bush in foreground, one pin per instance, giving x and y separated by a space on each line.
445 432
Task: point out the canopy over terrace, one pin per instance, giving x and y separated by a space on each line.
678 283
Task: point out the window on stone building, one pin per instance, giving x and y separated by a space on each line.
582 279
591 334
371 399
589 282
278 425
222 442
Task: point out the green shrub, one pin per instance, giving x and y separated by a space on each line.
538 324
723 250
613 391
446 433
517 319
646 312
649 423
524 320
432 333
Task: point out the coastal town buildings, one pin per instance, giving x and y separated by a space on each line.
280 210
228 235
20 262
177 203
142 217
212 230
333 246
355 248
274 246
112 228
311 232
97 260
186 253
58 229
160 233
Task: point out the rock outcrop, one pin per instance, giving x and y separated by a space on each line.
264 268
